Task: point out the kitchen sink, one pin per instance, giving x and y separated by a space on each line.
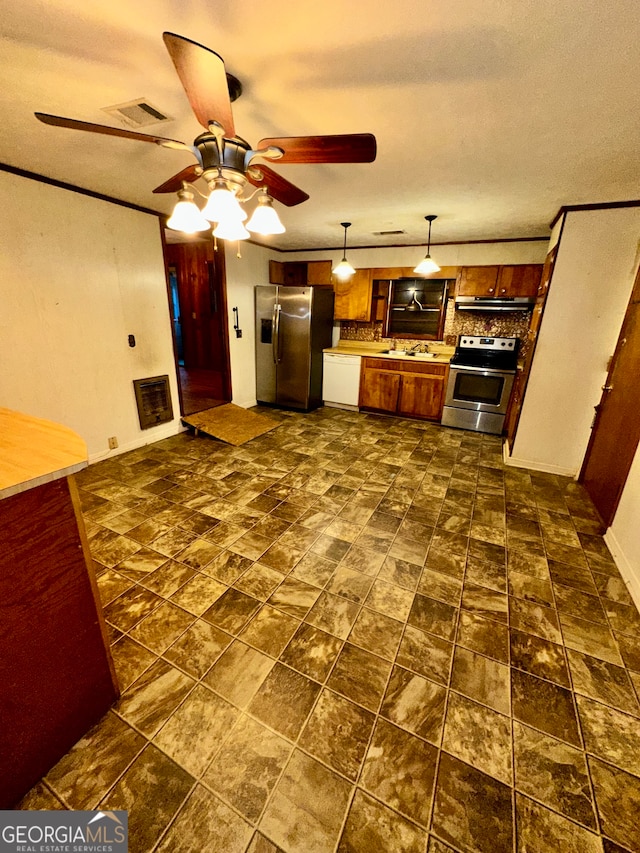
400 353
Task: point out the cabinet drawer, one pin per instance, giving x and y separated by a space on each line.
405 365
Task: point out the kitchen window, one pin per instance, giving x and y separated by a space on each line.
417 308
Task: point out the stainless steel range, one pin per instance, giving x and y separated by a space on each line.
481 377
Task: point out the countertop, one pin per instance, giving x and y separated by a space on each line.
34 451
374 349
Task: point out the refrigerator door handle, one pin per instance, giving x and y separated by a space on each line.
275 332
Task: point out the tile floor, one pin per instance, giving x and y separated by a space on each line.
357 634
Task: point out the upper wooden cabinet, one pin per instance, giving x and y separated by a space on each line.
318 272
477 281
519 280
512 280
353 297
300 273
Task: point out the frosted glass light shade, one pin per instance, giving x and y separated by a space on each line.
187 217
265 219
222 204
426 266
343 270
231 231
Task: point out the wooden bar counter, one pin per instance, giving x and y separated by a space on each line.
56 673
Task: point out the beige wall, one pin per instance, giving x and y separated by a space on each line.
592 281
77 276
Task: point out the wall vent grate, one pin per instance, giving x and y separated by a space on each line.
138 113
387 233
153 399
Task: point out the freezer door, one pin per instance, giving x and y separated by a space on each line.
266 342
294 347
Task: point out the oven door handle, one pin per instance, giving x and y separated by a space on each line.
464 367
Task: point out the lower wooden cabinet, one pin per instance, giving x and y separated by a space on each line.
400 387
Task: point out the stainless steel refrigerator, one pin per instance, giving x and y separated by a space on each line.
293 326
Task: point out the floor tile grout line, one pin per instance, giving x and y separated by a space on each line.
458 619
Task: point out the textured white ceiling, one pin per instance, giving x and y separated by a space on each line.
491 114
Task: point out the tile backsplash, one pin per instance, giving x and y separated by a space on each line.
497 324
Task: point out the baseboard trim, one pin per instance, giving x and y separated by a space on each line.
625 568
149 437
508 459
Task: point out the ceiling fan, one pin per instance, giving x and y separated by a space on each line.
224 159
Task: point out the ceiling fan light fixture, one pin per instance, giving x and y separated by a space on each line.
427 265
265 219
222 204
187 216
344 270
231 231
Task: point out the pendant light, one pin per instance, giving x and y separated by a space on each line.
427 264
344 270
186 215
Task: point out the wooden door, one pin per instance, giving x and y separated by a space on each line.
616 430
204 370
421 395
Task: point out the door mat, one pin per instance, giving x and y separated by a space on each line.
230 423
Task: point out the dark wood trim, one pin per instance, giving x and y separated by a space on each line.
605 205
173 330
62 185
409 245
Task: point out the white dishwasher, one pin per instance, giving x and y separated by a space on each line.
341 380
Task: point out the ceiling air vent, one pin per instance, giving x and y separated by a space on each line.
387 233
153 399
138 113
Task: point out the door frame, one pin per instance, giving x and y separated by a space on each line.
223 311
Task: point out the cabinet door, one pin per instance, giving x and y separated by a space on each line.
520 280
421 396
318 272
379 389
276 272
353 297
295 273
477 281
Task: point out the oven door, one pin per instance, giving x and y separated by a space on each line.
479 390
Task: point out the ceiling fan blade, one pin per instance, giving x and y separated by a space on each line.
202 74
345 148
279 188
75 124
188 174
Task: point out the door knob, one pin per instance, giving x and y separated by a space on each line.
607 387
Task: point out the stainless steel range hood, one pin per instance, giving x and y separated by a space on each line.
496 303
